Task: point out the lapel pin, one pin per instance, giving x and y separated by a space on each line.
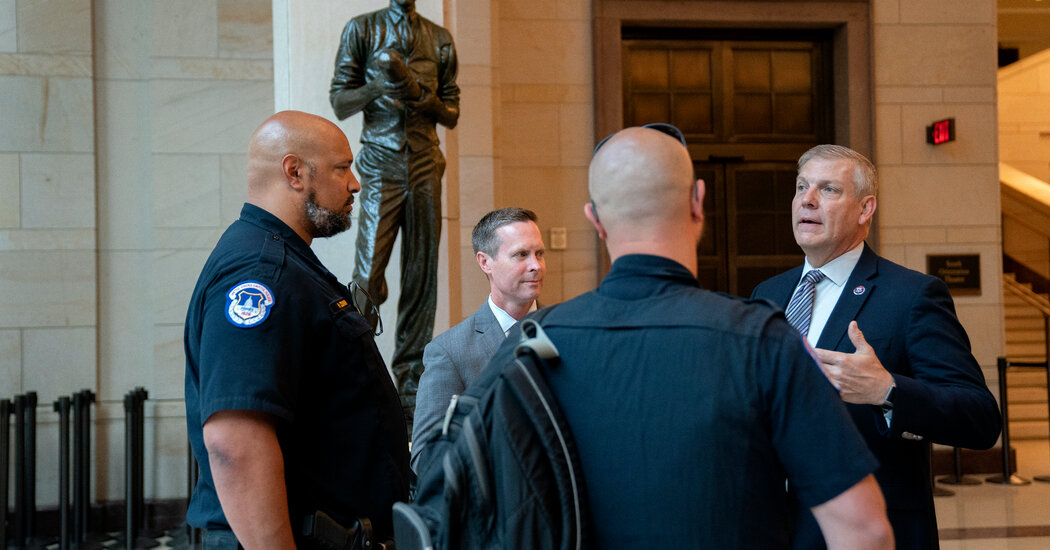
858 291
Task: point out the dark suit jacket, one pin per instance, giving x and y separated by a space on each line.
451 361
909 319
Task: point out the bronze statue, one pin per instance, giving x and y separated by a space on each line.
399 69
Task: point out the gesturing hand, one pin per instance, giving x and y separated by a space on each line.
859 376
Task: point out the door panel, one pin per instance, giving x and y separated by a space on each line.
747 224
749 108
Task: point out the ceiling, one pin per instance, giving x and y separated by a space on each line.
1025 25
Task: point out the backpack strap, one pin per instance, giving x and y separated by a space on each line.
525 378
535 341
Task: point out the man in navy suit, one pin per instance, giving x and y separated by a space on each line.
886 337
509 249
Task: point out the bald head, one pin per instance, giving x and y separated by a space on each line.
644 199
641 178
287 133
299 170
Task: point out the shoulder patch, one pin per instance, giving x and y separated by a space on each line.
248 304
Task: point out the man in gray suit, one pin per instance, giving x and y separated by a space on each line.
509 249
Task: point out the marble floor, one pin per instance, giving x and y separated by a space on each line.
993 516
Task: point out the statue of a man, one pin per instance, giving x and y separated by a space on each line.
399 69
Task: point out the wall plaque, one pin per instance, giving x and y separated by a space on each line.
961 272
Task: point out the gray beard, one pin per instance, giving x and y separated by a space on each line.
325 222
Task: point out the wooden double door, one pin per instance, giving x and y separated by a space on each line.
750 103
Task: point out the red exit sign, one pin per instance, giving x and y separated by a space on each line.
941 131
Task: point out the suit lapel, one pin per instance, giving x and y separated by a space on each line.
782 295
859 286
486 326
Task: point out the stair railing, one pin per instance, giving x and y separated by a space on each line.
1042 305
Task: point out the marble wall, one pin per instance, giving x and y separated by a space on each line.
47 211
48 262
545 130
935 60
125 124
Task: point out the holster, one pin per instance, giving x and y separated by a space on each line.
323 532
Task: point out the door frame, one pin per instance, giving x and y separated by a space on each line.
852 72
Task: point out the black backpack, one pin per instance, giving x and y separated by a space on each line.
503 471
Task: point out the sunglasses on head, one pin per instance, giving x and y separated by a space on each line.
664 127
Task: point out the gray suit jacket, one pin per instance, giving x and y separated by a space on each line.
451 361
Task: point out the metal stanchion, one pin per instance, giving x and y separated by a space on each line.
139 464
957 477
18 525
141 395
130 521
62 408
942 492
78 459
25 472
133 468
30 468
938 491
83 539
145 531
5 458
1007 477
80 481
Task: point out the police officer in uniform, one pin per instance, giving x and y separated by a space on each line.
289 406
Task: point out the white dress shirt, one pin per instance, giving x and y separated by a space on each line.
504 318
829 290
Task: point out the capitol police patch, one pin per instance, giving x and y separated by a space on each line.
248 304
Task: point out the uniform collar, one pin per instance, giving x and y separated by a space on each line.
639 275
279 230
261 217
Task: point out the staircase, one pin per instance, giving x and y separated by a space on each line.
1025 342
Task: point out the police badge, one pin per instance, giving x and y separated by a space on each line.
248 304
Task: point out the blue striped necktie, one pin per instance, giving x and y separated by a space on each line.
800 309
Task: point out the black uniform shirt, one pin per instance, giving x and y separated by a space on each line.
690 409
270 329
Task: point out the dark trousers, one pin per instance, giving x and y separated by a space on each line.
401 191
